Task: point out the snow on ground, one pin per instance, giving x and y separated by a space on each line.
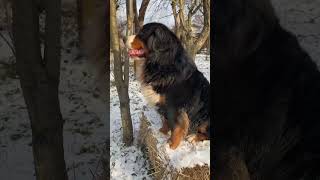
129 162
82 109
186 155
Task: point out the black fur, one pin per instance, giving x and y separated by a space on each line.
266 96
170 71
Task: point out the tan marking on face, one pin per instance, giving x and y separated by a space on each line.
133 42
137 44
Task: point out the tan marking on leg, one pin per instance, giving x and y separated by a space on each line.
190 138
201 135
180 131
193 138
176 137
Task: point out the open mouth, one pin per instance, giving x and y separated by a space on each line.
136 52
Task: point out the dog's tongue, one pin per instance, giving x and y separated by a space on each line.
136 52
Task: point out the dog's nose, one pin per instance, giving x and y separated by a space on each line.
130 40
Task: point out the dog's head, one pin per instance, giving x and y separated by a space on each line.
154 40
161 52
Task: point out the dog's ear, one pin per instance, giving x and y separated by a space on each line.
150 42
162 39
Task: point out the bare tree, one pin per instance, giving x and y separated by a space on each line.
121 76
39 79
92 32
184 26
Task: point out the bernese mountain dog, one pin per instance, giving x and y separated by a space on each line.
266 97
171 82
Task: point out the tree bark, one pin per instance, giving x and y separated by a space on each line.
39 79
92 21
130 17
138 23
121 77
177 28
136 17
142 11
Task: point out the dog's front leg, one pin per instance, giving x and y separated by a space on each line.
180 128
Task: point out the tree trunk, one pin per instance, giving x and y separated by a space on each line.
130 28
138 23
177 28
85 12
39 79
130 17
121 77
92 30
142 11
136 17
139 18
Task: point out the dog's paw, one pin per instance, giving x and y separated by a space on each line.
172 145
192 138
164 131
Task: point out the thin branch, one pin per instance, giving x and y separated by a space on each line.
8 43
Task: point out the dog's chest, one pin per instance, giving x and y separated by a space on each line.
152 97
